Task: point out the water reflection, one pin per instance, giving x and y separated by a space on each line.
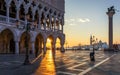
47 65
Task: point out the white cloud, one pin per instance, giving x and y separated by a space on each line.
88 20
83 20
76 21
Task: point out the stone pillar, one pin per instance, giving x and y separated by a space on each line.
50 22
54 23
110 13
45 24
26 11
59 24
39 25
33 16
7 14
62 24
33 47
62 42
17 14
16 47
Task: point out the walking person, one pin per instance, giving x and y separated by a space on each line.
92 58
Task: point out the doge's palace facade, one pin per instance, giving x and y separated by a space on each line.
46 16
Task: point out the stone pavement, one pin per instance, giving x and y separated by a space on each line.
68 63
110 67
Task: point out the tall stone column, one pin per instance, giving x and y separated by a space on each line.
45 24
16 47
62 45
54 23
59 24
26 12
7 7
110 13
33 16
50 23
62 24
39 25
17 14
33 47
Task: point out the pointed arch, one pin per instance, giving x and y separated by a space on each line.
39 44
12 9
22 12
2 7
23 40
36 18
42 20
7 43
30 13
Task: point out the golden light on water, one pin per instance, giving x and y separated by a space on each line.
47 65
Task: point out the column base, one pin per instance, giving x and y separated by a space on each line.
62 50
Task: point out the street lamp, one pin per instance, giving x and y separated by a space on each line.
27 28
93 41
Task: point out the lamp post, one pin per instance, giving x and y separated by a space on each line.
93 42
27 30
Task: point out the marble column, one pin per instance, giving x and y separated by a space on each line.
17 14
110 13
33 47
39 25
62 44
54 23
62 25
7 14
16 47
50 23
33 16
45 23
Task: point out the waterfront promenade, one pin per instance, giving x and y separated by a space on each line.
68 63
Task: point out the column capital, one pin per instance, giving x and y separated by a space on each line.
17 8
7 5
111 11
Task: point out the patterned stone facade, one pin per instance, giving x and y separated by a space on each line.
46 16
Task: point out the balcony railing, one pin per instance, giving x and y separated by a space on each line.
3 19
12 22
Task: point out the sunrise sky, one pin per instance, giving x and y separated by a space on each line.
88 17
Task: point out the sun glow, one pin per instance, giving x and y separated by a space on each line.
48 40
48 44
